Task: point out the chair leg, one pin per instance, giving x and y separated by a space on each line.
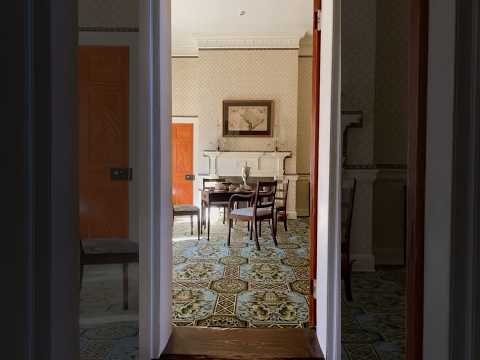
199 228
230 223
224 211
251 229
285 221
191 224
208 225
125 286
256 235
274 232
81 275
260 228
348 283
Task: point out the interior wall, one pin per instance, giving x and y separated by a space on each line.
391 82
192 80
185 86
108 13
249 74
358 75
390 131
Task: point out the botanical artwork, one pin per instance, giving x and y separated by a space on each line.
247 118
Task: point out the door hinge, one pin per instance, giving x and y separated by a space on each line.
313 288
318 15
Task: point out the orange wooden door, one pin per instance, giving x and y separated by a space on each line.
182 163
103 141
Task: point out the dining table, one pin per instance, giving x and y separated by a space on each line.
211 195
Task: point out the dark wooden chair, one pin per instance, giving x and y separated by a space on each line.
188 210
348 202
281 205
109 251
210 183
262 207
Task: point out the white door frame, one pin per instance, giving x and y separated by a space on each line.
154 180
328 292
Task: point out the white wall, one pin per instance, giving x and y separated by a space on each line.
439 179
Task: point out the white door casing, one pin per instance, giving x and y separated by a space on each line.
154 176
329 184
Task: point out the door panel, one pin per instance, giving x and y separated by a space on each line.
182 163
103 142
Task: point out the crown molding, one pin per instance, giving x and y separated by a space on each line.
248 41
184 48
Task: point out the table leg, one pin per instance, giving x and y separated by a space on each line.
198 227
208 224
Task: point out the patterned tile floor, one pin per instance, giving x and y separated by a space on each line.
373 324
238 286
218 286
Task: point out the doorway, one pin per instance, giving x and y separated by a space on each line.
104 141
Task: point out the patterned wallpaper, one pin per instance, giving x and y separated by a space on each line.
391 82
249 74
108 13
358 74
185 82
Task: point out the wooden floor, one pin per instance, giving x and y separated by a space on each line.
217 344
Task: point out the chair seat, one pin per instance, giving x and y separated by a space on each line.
185 210
109 246
219 203
249 212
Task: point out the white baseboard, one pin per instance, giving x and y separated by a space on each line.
303 212
291 214
363 262
389 256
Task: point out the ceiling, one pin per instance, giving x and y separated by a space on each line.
224 17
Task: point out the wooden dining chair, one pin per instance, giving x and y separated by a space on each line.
262 207
210 183
281 205
348 203
109 251
191 211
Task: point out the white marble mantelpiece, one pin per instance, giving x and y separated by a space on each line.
262 164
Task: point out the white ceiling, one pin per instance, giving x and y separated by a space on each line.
223 17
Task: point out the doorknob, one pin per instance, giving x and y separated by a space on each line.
190 177
124 174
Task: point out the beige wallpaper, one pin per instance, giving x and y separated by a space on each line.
248 74
358 74
391 82
108 13
185 86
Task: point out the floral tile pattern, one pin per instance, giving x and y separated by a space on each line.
240 286
373 324
220 292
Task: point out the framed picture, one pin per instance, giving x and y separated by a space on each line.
247 118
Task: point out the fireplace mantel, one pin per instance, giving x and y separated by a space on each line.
262 163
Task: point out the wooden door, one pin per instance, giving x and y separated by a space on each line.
182 163
103 141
